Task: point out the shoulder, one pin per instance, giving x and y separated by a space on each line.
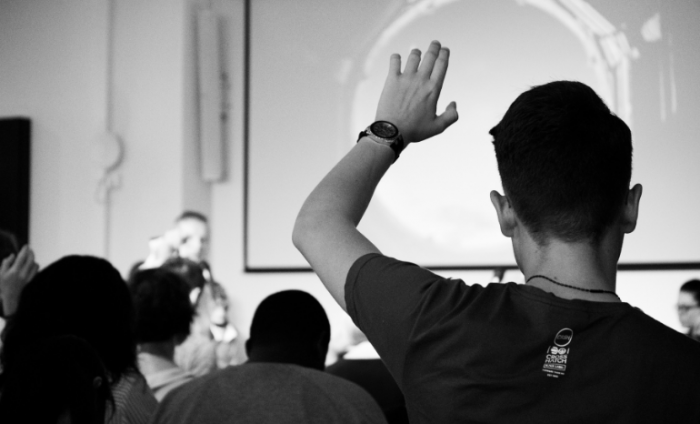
336 390
657 335
133 399
378 272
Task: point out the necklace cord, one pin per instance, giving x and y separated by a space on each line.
574 287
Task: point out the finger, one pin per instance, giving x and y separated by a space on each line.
412 61
22 257
448 117
395 64
32 272
440 68
7 263
28 264
426 66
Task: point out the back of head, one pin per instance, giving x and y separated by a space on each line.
565 161
83 296
57 377
291 321
162 307
692 287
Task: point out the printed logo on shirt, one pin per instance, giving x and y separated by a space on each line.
557 356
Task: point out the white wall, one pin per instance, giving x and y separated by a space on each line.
52 69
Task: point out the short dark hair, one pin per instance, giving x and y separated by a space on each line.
565 161
162 307
290 317
83 296
192 215
692 287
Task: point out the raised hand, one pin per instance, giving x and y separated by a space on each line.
409 99
15 273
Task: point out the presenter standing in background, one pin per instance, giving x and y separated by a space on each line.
212 343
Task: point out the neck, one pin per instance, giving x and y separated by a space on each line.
162 349
161 360
308 358
583 265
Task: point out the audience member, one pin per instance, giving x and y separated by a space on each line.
282 382
212 333
689 308
562 347
211 344
163 314
361 365
83 296
56 380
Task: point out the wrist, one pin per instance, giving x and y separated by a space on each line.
377 149
384 133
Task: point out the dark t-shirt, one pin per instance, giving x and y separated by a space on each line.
508 353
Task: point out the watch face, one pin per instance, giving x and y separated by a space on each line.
384 129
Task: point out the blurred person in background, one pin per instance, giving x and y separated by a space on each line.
163 314
212 342
188 243
689 308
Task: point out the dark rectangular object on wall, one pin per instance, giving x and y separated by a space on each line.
14 176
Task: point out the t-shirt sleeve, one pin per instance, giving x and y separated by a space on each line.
394 303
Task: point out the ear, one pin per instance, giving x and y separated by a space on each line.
630 211
322 348
248 346
505 213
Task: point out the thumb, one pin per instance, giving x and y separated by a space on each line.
448 117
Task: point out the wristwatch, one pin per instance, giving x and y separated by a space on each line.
385 133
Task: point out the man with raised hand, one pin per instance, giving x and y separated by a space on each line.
563 346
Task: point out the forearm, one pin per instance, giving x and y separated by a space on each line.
325 231
345 192
328 219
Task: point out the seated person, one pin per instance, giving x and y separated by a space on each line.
361 365
563 346
86 297
163 314
59 379
689 308
282 382
211 344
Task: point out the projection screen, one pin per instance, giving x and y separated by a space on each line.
316 70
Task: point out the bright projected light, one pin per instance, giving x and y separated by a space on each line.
440 192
